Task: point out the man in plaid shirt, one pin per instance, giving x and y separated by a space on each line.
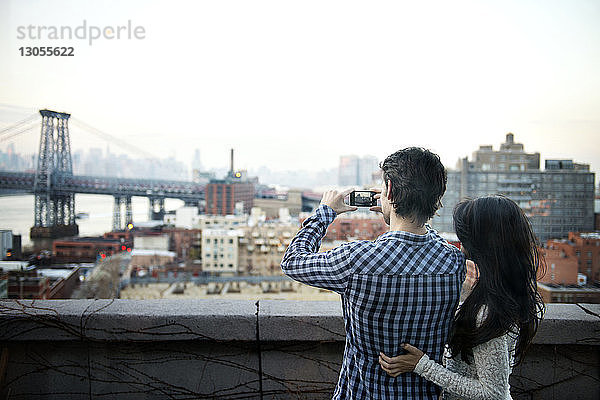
402 287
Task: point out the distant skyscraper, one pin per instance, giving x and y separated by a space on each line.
348 170
557 200
94 164
196 163
355 171
367 165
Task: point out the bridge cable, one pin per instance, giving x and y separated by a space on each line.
18 124
13 135
112 139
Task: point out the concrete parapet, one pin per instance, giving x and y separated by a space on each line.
237 349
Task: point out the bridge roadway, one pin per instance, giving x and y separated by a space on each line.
189 192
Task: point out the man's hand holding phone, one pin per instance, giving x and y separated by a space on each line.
358 198
335 200
377 197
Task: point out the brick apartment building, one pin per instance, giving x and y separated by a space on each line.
561 268
582 248
553 293
122 236
33 283
222 196
261 248
86 249
572 269
27 285
185 243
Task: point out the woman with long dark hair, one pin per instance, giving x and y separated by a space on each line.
496 322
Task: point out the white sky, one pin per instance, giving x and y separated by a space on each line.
295 84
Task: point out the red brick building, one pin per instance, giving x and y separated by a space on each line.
27 285
561 268
63 287
585 249
186 243
42 284
222 195
122 236
552 293
86 249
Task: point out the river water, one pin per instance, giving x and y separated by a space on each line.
16 213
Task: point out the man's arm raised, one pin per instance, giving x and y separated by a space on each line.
302 262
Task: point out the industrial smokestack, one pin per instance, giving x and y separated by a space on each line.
231 163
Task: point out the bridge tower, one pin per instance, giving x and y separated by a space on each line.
156 211
118 224
54 203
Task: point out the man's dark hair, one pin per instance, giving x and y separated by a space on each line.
418 182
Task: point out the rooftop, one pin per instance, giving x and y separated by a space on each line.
151 252
569 288
54 273
590 235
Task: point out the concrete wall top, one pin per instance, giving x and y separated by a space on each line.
228 320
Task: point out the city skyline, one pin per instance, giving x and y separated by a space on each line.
296 89
98 161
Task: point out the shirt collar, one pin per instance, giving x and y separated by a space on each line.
407 236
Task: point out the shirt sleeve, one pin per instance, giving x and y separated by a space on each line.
492 362
302 262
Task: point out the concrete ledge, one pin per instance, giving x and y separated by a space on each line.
183 349
570 324
287 320
128 320
196 319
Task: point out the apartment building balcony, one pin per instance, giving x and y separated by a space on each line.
236 349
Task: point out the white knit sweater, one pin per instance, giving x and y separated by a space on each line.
486 378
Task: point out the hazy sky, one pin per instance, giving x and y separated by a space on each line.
295 84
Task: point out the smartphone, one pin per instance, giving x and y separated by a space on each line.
363 198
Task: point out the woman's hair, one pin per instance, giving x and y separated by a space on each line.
498 237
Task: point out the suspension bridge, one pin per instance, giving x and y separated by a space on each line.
54 185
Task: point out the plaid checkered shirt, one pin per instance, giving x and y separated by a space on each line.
399 288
